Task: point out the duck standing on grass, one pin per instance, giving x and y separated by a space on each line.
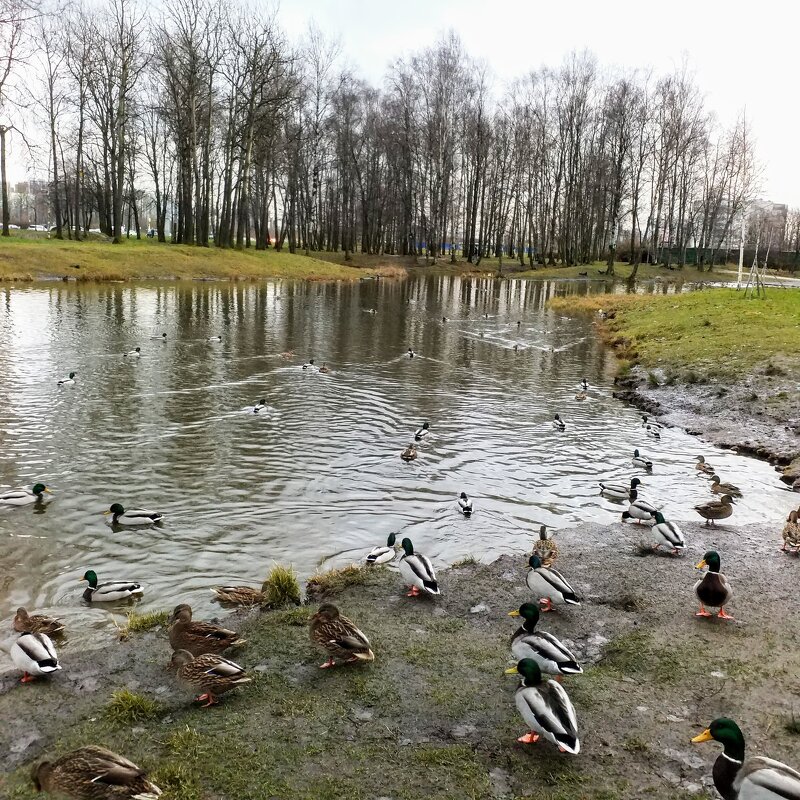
383 555
209 672
546 708
36 623
546 650
549 585
713 588
417 571
94 773
754 778
35 655
465 504
716 509
339 637
199 637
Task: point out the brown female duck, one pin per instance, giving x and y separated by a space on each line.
339 636
199 637
212 674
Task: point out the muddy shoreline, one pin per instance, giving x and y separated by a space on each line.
434 715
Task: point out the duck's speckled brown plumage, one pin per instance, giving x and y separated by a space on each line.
338 635
94 773
791 532
199 637
715 509
37 623
212 674
238 595
545 548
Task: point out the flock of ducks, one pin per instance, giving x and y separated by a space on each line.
543 703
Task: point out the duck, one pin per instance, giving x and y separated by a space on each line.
36 623
545 547
584 384
162 338
199 637
339 636
642 461
135 353
260 405
716 509
422 432
546 650
132 516
410 353
409 454
324 368
713 589
209 672
94 773
67 381
383 555
580 396
23 497
754 778
309 365
417 571
110 591
549 585
619 491
652 426
289 354
702 466
667 534
558 423
35 655
214 339
546 708
724 488
238 595
791 533
639 510
465 504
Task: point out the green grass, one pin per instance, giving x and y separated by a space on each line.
143 622
281 588
716 332
126 707
467 561
23 258
335 581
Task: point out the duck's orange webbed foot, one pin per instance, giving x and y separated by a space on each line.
723 615
529 738
328 664
702 613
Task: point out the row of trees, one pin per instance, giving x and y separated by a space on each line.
241 139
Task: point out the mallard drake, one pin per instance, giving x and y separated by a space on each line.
209 672
410 353
639 510
544 547
417 571
67 381
409 454
580 396
214 339
162 338
238 595
549 585
383 555
713 588
36 623
199 637
35 655
584 385
652 427
324 368
110 591
791 533
132 516
421 433
642 461
135 353
339 636
716 509
94 773
724 488
702 466
465 505
667 534
309 365
559 423
619 491
260 405
755 778
546 650
22 497
546 708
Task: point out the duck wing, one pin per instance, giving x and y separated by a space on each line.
549 707
218 667
39 649
761 777
559 583
548 648
422 568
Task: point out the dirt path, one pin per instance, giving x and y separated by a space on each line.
434 715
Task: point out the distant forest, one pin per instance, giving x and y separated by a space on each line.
235 138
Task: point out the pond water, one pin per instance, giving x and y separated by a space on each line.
316 479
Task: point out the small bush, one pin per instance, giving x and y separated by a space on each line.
467 561
334 581
126 706
176 782
281 588
652 380
792 726
143 622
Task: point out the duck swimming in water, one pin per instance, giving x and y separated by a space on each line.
422 432
135 353
22 497
67 381
559 423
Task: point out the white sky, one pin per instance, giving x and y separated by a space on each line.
744 55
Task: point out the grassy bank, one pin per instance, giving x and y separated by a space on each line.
434 715
715 332
26 259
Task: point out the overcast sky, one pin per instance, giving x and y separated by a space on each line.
745 56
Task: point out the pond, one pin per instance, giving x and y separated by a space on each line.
315 479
